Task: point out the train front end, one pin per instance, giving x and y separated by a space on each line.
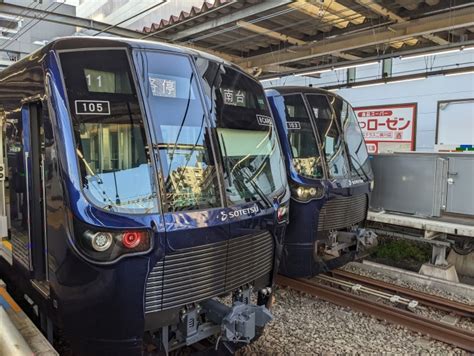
175 194
330 179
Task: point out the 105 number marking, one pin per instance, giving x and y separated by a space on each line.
92 107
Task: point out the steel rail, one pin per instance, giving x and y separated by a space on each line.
430 300
439 331
355 286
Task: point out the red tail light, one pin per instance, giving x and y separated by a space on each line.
132 239
281 213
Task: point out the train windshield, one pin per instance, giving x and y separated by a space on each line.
301 138
354 138
332 141
247 138
110 138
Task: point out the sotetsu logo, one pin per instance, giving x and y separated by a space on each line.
236 213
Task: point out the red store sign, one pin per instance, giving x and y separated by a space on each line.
388 128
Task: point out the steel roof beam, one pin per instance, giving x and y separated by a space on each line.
320 14
346 56
269 33
409 52
337 9
284 38
278 69
74 21
380 10
401 31
228 19
68 20
332 12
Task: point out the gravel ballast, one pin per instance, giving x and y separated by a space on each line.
382 275
305 325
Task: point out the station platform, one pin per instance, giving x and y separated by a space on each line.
18 334
431 226
435 231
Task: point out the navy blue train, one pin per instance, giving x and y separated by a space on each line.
330 177
144 181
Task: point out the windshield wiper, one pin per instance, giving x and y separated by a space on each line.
361 167
182 122
93 174
242 175
257 189
225 159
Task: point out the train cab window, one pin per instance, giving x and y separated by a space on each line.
301 138
247 139
354 138
181 130
110 135
331 138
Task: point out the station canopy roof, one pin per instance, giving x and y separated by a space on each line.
292 36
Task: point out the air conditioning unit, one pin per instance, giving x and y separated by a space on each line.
9 25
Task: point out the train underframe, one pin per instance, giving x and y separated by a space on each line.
339 247
232 321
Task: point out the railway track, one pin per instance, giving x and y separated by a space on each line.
426 299
455 336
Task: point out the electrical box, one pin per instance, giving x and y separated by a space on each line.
424 184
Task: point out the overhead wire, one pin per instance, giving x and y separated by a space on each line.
131 17
24 11
269 17
24 29
234 27
360 10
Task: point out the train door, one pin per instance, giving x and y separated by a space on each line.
33 150
5 245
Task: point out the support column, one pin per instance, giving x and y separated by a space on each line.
439 266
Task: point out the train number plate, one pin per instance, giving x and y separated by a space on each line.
92 107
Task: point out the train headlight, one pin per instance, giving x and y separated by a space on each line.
307 193
110 245
301 192
99 241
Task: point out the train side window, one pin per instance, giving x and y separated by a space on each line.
301 137
354 138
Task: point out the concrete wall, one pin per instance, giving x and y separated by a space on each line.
426 93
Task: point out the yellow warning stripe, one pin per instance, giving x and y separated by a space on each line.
7 244
9 300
